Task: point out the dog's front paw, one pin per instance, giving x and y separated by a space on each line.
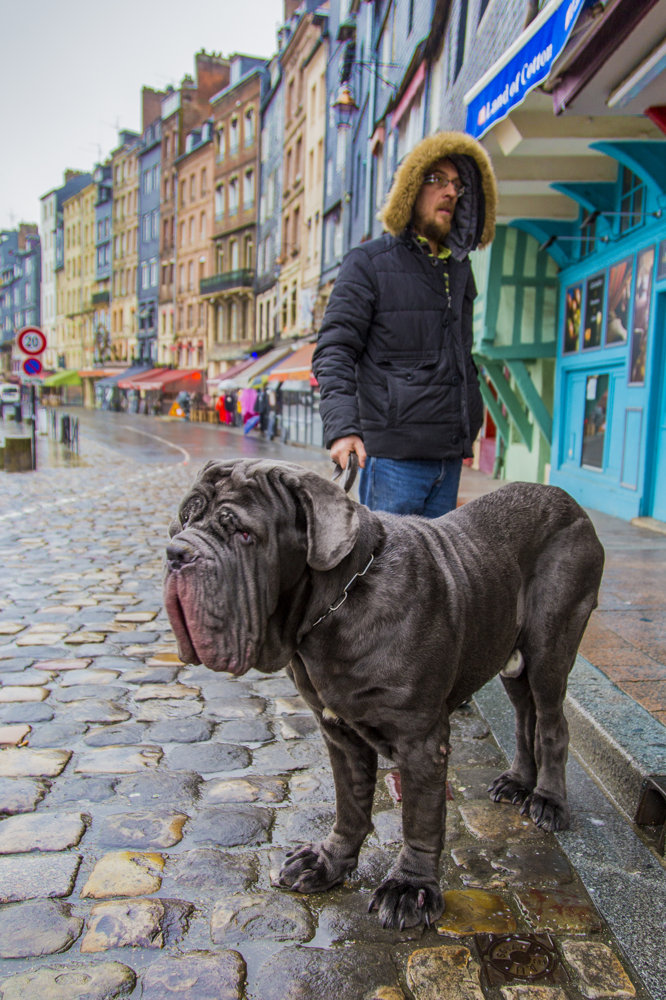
547 812
509 788
313 869
403 902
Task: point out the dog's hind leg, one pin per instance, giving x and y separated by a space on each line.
561 597
516 784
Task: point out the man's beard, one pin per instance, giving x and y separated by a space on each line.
432 229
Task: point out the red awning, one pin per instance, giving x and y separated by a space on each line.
131 380
297 367
166 378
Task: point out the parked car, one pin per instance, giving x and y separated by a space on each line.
9 394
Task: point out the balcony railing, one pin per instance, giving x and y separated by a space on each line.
227 281
100 298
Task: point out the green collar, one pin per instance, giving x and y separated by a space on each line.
443 252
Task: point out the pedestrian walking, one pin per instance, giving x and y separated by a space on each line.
393 360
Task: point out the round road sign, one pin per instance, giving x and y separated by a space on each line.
31 340
32 366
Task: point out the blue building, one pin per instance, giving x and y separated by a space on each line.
269 229
20 278
150 158
101 298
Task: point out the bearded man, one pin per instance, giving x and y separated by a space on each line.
393 359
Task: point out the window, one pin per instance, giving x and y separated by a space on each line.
249 127
594 421
153 271
220 144
204 183
193 187
632 200
588 235
233 196
233 253
462 37
233 137
219 201
202 225
190 276
249 252
248 189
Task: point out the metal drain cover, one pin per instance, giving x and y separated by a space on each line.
520 958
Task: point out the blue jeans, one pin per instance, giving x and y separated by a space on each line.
410 486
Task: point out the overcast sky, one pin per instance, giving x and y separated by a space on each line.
71 73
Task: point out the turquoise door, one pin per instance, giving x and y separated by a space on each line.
659 477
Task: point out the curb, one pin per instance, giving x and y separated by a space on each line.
615 739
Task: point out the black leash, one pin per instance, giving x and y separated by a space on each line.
349 473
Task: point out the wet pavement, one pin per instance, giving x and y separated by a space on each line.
146 804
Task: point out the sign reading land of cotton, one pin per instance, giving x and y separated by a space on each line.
530 65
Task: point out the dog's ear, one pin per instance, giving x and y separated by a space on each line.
331 517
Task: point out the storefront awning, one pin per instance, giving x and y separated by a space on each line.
230 374
263 365
116 379
62 378
100 372
297 367
523 66
171 379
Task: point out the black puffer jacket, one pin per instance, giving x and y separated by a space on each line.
393 360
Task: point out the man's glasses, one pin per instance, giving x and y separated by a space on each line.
442 181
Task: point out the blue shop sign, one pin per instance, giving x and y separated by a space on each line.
525 70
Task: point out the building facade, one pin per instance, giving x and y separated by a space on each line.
195 170
51 235
269 220
101 297
20 285
77 280
124 302
148 266
229 289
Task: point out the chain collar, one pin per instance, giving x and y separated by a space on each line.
341 600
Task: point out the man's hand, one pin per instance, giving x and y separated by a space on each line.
343 447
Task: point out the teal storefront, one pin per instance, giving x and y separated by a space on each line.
609 414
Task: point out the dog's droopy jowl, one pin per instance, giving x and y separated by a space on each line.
387 624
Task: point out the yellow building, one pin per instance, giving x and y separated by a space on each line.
125 175
75 281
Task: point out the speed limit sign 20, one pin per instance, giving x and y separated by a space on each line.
31 340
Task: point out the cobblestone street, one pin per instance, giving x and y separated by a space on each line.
147 804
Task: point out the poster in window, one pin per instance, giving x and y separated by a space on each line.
572 316
661 262
641 317
594 311
619 300
594 421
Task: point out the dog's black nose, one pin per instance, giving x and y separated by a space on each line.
179 554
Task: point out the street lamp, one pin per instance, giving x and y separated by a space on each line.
345 107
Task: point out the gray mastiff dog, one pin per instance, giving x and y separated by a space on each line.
387 624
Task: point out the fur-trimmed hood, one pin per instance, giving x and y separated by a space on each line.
473 223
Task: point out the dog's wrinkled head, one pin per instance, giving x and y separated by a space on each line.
237 564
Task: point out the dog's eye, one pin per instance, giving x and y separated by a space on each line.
191 509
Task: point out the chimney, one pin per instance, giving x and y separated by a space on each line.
151 106
212 71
